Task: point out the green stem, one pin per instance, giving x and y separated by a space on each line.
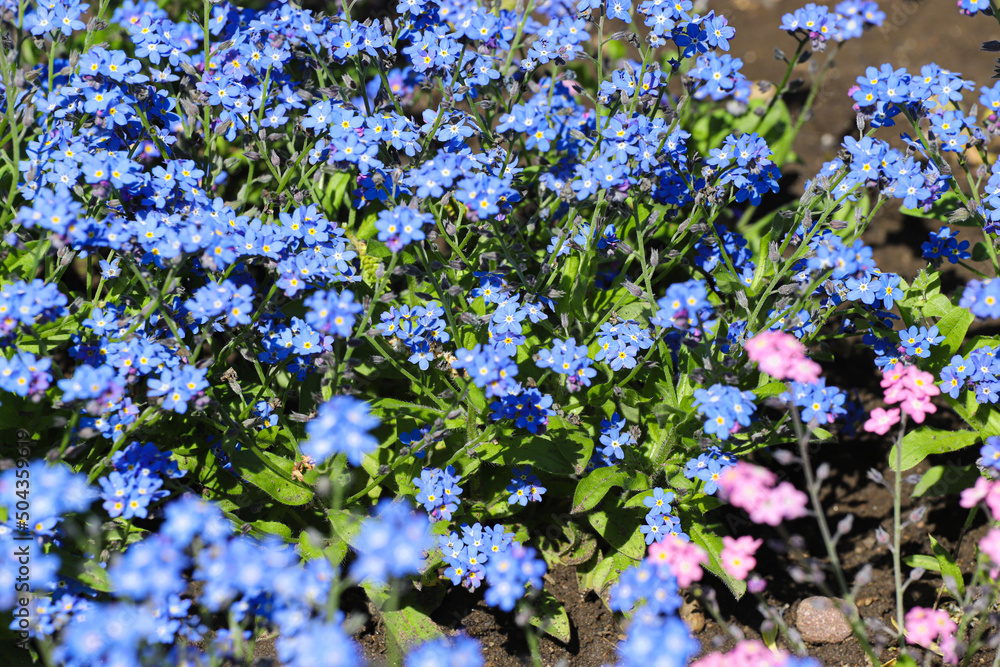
897 533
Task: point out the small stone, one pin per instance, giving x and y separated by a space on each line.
691 615
820 621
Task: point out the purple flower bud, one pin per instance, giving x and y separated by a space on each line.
844 525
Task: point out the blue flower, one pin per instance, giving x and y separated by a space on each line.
391 544
341 426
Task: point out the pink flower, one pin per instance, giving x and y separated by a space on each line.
892 376
975 495
803 370
990 545
782 356
983 490
927 626
747 653
737 555
744 484
917 408
751 488
903 382
921 383
685 559
793 502
882 420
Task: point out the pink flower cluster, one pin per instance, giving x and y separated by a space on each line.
748 653
984 489
912 388
753 489
925 626
990 545
782 356
737 555
684 558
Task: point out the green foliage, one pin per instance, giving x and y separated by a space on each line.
923 441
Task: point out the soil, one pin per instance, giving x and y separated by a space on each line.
916 33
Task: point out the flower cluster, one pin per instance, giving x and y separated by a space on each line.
685 306
392 543
529 408
725 409
737 555
685 559
438 491
468 558
137 480
54 492
567 358
816 401
782 356
744 162
509 571
926 627
756 490
620 343
978 371
612 440
655 624
524 486
341 426
660 523
943 244
420 328
488 368
982 297
753 653
912 388
708 467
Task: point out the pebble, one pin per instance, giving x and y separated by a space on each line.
820 621
691 615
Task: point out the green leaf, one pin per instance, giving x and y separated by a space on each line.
945 480
592 488
928 563
392 407
712 543
560 452
983 418
345 528
923 441
769 635
87 571
270 473
605 572
942 209
550 616
954 326
821 434
310 544
766 390
279 528
938 305
949 569
336 189
980 252
621 529
406 626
